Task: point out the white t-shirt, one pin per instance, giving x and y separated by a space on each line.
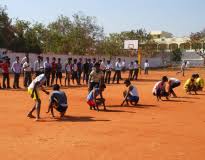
109 67
27 67
41 79
118 66
68 67
134 92
156 86
136 66
146 65
102 66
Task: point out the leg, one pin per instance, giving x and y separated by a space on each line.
109 75
114 77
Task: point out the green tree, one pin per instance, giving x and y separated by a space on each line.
176 55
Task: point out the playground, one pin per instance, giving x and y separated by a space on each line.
154 130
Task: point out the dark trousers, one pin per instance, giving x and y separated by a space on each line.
53 75
117 76
146 70
16 80
75 77
27 79
107 76
79 73
130 74
47 73
6 78
85 77
136 72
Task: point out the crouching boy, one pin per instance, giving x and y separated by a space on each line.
58 100
160 90
131 95
190 85
92 99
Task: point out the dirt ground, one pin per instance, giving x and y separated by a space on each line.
165 130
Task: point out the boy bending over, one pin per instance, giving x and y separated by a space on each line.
58 100
92 99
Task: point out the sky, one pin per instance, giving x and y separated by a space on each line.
180 17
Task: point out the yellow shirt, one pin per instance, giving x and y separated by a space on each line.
200 82
189 83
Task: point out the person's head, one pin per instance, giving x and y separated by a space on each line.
80 59
75 60
185 62
146 61
164 79
108 62
27 60
127 82
39 58
17 59
119 59
59 60
27 55
53 59
100 61
197 75
136 61
56 87
47 59
89 60
97 66
102 87
94 59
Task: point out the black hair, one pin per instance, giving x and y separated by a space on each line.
56 87
127 81
97 64
164 79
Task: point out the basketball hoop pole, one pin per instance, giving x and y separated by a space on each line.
139 54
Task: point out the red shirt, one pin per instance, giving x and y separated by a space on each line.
5 67
54 66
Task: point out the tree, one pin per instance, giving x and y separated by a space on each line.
176 55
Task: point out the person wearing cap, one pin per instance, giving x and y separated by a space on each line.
131 95
190 85
92 99
58 100
159 89
95 78
33 90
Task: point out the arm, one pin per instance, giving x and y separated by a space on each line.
43 89
50 106
130 88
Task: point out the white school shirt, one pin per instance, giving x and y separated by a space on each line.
37 66
109 67
27 67
156 86
134 92
146 65
75 67
16 67
68 67
102 66
131 66
136 66
46 65
41 79
118 66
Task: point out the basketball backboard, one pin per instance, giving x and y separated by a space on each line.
131 44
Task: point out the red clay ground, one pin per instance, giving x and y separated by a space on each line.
168 130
